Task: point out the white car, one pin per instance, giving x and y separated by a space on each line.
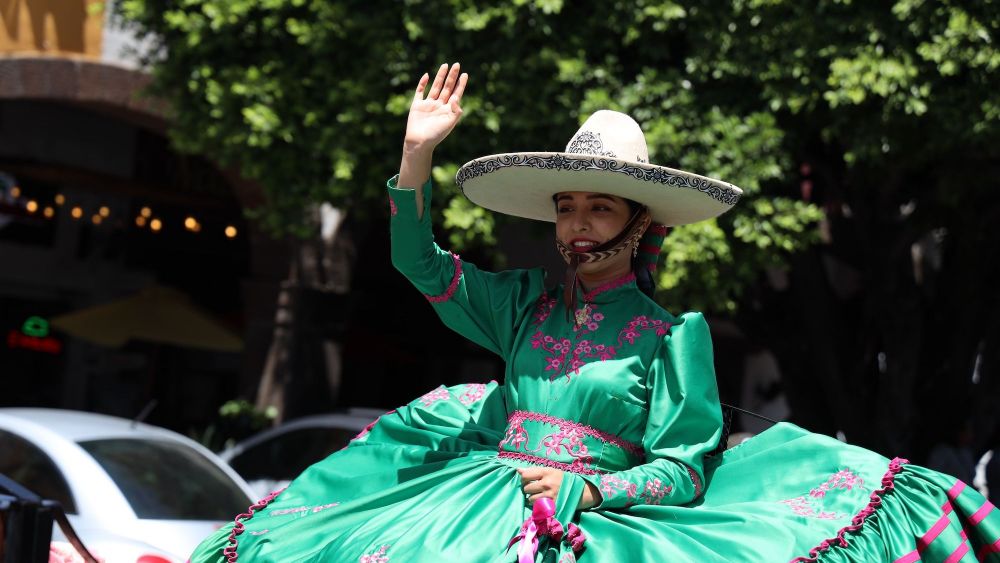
133 492
270 459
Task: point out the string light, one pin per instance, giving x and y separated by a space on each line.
142 220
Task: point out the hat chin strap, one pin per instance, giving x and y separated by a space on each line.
628 238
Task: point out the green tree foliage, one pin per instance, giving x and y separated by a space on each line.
308 97
869 127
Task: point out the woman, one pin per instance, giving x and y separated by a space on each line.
596 446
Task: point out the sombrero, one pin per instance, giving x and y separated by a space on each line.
607 155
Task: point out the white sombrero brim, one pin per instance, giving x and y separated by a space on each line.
522 184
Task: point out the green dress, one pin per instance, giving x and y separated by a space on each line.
619 393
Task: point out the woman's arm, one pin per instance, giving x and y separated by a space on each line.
430 121
684 424
481 306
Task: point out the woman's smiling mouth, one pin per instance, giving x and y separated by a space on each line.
582 244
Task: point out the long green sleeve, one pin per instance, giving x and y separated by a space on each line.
481 306
684 423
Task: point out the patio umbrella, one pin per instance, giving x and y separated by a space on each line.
156 314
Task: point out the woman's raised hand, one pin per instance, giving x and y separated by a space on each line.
433 117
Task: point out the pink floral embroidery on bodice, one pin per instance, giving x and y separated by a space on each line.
593 321
566 357
633 329
569 437
543 308
515 435
572 441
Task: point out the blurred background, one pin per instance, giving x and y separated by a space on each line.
192 208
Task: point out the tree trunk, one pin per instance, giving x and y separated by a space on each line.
278 367
303 370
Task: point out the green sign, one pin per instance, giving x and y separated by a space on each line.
35 326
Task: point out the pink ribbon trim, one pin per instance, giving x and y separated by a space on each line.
575 537
695 480
543 523
888 483
451 286
538 460
943 522
238 528
613 284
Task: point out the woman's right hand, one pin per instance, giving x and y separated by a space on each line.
431 119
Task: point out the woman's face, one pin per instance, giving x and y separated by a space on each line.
587 219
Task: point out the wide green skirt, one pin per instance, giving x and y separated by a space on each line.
425 484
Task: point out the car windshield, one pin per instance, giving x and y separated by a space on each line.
168 480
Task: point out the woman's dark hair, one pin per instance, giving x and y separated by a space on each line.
643 277
633 206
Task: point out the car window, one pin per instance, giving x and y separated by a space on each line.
286 455
168 480
27 464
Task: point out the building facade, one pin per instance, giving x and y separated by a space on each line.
95 206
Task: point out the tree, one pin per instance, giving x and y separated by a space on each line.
862 134
892 112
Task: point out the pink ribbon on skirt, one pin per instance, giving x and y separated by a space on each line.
575 537
542 522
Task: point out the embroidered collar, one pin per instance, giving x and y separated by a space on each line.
605 291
